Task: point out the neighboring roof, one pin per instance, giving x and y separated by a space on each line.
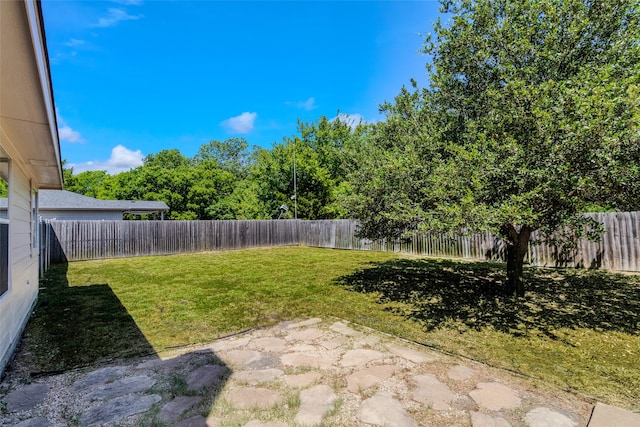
62 200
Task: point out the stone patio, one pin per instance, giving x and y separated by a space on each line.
308 373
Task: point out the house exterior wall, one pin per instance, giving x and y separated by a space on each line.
17 303
81 215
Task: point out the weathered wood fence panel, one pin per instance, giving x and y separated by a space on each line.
85 240
618 248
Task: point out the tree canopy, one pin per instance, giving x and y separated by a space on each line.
531 119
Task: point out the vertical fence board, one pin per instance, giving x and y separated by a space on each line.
617 249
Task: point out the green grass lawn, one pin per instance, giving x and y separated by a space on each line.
579 330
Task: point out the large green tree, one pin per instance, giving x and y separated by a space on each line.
531 118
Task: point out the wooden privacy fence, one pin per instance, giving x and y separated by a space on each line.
618 248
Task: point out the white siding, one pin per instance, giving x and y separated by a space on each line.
16 304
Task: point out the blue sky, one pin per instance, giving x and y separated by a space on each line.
134 77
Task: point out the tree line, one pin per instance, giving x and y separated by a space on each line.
531 118
231 180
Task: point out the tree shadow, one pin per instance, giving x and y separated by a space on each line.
87 328
443 292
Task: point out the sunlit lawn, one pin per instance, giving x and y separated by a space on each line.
579 330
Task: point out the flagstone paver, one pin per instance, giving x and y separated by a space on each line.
241 357
495 396
610 416
315 402
302 380
121 387
258 423
303 359
545 417
254 377
341 374
478 419
383 410
98 377
269 344
432 392
254 397
343 329
460 373
35 422
26 397
119 409
195 421
360 357
306 334
206 376
412 354
368 377
303 323
177 407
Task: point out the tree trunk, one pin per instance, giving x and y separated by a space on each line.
517 247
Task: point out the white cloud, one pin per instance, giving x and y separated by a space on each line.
114 17
352 120
129 2
66 133
74 43
122 159
240 124
308 105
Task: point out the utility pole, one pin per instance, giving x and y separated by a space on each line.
295 185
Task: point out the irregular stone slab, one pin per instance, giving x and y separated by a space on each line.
206 376
302 380
610 416
545 417
308 334
229 344
412 355
121 387
460 373
335 343
99 377
118 409
254 397
360 357
35 422
256 423
308 322
266 361
195 421
463 402
479 419
166 363
178 406
367 340
241 357
432 392
27 397
368 377
302 359
303 348
270 344
495 396
383 410
343 329
259 376
314 403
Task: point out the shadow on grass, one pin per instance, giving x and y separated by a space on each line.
440 293
79 325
